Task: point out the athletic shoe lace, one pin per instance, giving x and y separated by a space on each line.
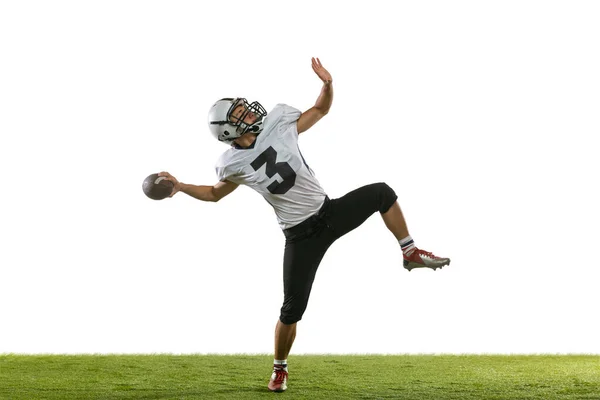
279 376
426 253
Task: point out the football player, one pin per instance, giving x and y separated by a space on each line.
265 156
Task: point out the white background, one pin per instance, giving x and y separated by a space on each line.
483 116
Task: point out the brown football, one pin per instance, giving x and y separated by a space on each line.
157 187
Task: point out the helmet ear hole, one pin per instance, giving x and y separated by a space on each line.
226 133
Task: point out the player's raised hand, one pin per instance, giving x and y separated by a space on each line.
321 72
169 177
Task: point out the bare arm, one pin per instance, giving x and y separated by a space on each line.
208 193
323 104
200 192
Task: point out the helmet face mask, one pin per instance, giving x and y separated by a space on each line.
225 127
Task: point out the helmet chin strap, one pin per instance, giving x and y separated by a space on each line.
255 128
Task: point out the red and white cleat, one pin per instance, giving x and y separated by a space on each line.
278 382
424 259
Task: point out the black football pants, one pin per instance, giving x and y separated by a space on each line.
307 242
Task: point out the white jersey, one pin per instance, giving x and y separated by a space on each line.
275 168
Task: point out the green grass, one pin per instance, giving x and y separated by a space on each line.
311 377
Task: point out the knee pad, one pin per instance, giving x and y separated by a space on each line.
289 319
386 196
291 314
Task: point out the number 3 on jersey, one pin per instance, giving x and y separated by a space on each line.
269 156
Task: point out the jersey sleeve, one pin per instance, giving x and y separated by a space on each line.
288 117
223 169
221 173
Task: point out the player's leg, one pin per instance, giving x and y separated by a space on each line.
284 338
351 210
395 222
413 256
300 262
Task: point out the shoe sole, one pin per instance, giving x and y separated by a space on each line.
281 388
412 266
278 390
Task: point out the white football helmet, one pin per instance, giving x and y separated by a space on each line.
224 129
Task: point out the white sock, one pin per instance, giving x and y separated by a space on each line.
280 364
408 245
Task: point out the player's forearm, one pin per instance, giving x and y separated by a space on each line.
204 193
325 99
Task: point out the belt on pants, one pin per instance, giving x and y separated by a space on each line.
309 224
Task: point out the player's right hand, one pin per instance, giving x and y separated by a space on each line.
176 184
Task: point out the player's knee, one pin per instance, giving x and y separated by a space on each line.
386 195
289 319
291 314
